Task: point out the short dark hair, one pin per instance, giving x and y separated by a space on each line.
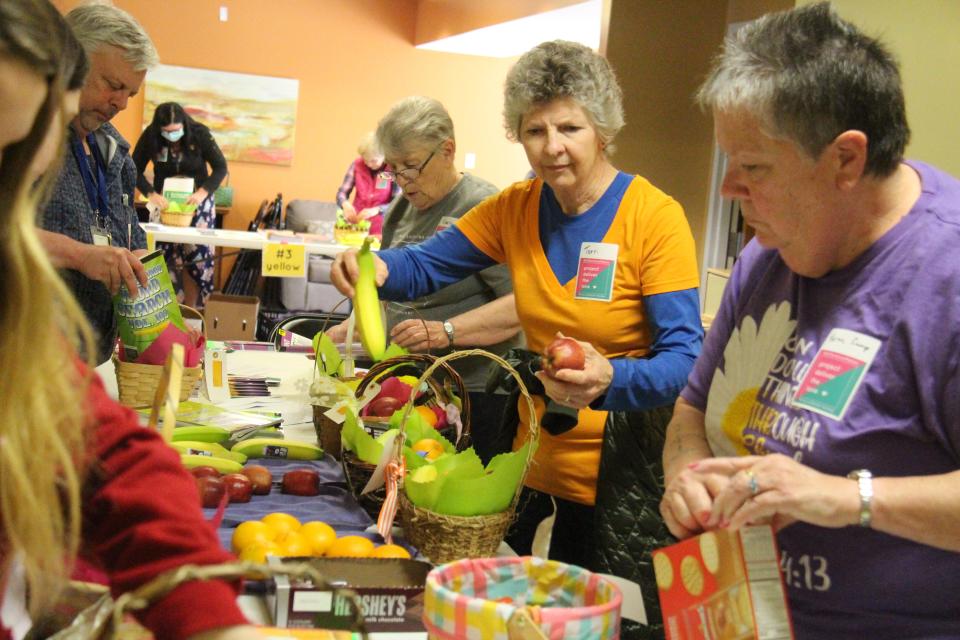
169 113
809 76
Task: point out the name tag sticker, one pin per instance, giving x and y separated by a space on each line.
284 260
595 271
836 373
382 184
445 221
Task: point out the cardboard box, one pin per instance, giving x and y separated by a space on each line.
723 585
231 317
390 593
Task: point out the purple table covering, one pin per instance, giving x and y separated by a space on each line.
335 505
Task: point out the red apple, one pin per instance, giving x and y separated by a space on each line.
301 482
211 491
260 477
204 472
239 487
563 353
385 406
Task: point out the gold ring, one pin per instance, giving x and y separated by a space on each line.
567 399
752 483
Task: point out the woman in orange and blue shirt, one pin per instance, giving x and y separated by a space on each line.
594 253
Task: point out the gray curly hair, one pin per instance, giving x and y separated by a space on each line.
562 69
414 121
98 25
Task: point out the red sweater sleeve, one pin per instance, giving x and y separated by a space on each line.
142 516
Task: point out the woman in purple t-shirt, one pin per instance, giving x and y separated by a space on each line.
826 400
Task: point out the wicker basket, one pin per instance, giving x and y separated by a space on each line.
137 383
177 219
443 538
358 472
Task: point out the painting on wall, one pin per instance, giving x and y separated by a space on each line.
252 117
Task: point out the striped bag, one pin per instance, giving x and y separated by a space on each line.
511 598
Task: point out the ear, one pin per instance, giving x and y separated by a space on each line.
449 148
850 157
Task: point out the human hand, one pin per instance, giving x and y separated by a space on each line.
778 489
577 388
368 213
349 213
113 266
418 336
240 632
158 200
198 196
338 333
687 501
345 271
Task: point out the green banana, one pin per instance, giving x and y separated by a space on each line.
201 434
216 450
278 448
366 305
191 460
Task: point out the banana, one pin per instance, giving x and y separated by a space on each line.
201 434
366 304
222 465
278 448
216 450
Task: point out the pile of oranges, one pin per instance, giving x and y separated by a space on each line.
281 534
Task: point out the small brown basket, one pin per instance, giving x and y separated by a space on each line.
137 383
443 538
359 472
177 219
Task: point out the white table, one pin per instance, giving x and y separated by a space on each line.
235 239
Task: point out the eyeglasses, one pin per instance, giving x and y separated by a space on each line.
408 175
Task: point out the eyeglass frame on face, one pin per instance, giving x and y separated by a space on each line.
406 173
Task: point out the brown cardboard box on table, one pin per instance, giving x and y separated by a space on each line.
231 317
390 592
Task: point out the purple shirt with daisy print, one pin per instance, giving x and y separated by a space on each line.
858 369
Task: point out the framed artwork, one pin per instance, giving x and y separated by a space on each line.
252 117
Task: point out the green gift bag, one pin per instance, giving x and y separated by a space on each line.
223 196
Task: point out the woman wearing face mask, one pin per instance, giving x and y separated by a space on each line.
179 146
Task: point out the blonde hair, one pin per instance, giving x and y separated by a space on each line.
44 423
368 143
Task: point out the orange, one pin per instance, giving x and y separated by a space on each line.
281 523
258 551
390 551
427 414
350 547
293 544
319 535
430 448
250 532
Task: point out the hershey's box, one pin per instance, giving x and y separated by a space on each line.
390 593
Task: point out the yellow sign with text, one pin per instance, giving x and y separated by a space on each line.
282 260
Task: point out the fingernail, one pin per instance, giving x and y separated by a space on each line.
693 465
724 524
705 516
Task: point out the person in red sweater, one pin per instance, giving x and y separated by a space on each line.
78 475
372 192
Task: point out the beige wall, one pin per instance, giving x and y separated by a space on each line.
925 36
661 52
443 18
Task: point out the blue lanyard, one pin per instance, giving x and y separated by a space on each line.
96 190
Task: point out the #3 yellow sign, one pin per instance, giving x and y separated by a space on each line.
284 260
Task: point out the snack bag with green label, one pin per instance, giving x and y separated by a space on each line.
140 320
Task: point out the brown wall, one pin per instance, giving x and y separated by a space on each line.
743 10
661 52
353 58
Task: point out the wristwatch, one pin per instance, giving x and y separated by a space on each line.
448 327
865 487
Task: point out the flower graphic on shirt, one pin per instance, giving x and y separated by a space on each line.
748 356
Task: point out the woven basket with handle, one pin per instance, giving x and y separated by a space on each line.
444 538
137 383
357 471
108 619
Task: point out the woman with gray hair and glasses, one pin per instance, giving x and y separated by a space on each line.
477 310
596 254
